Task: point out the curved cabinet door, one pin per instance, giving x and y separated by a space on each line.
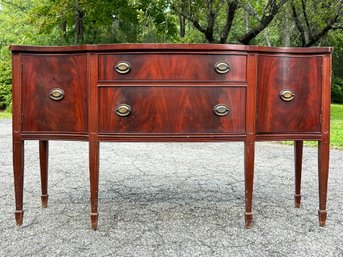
54 93
289 94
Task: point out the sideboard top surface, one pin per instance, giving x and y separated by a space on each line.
179 47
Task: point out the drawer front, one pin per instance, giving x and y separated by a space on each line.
173 67
172 110
54 93
289 94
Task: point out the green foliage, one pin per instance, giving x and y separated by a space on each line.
104 21
335 39
66 22
5 66
337 90
5 97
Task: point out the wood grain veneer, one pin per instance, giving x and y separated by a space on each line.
171 90
172 67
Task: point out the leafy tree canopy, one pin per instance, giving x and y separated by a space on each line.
301 23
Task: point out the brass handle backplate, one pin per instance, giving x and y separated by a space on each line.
287 95
123 110
123 67
222 67
221 110
56 94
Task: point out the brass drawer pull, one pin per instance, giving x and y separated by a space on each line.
123 110
222 67
123 67
287 95
221 110
56 94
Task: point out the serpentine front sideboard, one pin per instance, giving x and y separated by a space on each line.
170 92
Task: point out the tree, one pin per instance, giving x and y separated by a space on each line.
262 22
106 21
205 16
314 19
269 11
207 12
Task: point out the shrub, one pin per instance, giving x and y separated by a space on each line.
337 90
5 97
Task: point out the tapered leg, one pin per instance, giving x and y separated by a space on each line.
18 168
249 179
43 159
298 155
94 181
323 172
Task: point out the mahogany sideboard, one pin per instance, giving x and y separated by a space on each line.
170 92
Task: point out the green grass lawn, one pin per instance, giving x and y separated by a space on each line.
336 126
5 115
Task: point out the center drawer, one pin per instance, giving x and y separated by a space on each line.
172 67
168 109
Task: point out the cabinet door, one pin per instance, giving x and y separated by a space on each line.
45 79
289 94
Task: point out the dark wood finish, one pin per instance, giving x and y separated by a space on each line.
44 160
249 155
54 136
158 137
301 75
171 90
298 156
324 144
92 67
288 136
156 47
94 181
18 143
16 96
41 74
172 110
172 67
323 172
249 145
18 163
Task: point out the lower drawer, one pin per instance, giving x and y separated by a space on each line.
168 109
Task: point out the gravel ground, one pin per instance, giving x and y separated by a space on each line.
169 199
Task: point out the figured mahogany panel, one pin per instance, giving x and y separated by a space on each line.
171 66
172 110
302 76
41 74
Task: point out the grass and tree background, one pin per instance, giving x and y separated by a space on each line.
295 23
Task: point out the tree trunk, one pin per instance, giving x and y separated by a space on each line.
246 21
210 22
63 27
315 38
287 29
264 22
182 19
78 23
230 15
266 37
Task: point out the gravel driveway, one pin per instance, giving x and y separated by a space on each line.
169 199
